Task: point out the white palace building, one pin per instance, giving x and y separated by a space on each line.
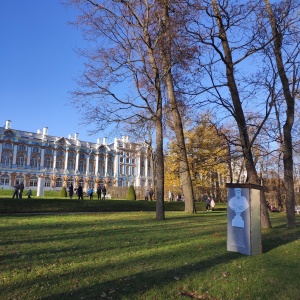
27 156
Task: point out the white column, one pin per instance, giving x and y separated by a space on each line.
97 163
40 187
42 157
28 154
146 166
138 165
54 158
77 161
146 171
116 165
15 154
66 158
87 164
106 164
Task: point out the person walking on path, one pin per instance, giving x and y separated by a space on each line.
80 192
207 204
29 193
99 192
90 192
103 192
16 191
71 191
151 193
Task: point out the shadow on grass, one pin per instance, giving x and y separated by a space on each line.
279 234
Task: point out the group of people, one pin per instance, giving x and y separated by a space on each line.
79 192
210 204
171 197
149 194
18 191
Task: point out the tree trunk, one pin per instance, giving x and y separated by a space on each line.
160 211
287 128
252 176
185 175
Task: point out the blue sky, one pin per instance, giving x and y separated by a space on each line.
39 66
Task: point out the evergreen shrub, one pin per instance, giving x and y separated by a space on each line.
131 193
63 192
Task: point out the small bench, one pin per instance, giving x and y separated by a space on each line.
107 196
297 209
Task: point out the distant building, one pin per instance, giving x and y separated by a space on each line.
26 157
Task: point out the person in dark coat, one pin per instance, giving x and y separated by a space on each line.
99 192
71 191
80 192
103 193
151 193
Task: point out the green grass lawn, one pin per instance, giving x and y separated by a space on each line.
130 255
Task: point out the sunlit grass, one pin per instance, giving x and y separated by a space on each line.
130 255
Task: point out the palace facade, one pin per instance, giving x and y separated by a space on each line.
27 156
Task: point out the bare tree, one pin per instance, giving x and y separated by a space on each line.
125 36
284 22
226 32
169 34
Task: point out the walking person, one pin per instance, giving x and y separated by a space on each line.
207 204
99 192
71 191
103 192
16 191
80 192
29 193
90 192
151 193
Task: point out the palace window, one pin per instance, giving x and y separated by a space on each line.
48 162
69 182
91 167
6 159
8 146
81 182
72 154
35 149
101 168
71 165
47 182
81 155
4 180
20 160
59 163
60 152
59 182
19 179
22 148
48 151
33 181
110 169
34 161
81 166
91 184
